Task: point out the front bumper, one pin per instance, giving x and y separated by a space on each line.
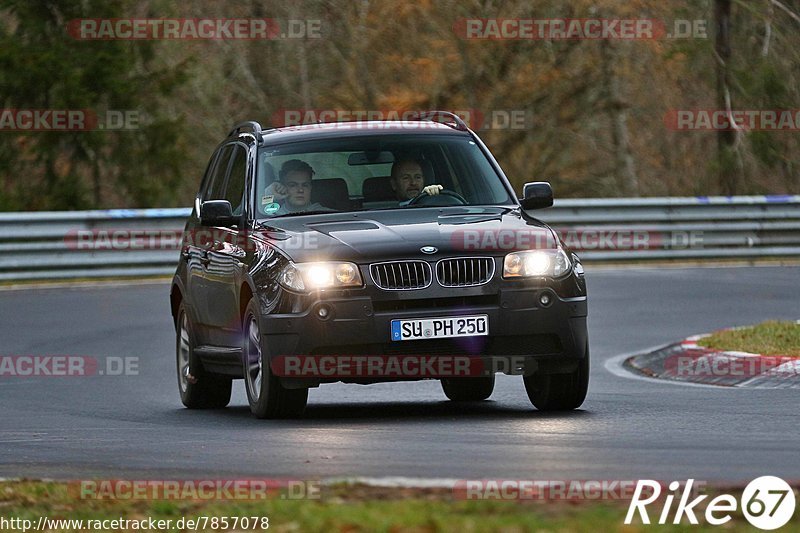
552 338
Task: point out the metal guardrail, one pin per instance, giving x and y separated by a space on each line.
39 245
723 227
42 245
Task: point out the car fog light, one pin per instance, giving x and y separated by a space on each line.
545 299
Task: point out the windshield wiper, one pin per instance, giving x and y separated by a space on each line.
264 224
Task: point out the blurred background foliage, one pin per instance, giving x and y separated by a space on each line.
596 107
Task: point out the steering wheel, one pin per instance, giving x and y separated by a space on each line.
446 197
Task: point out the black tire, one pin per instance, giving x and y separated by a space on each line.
198 389
468 389
559 392
265 393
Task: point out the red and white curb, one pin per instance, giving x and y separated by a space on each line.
688 362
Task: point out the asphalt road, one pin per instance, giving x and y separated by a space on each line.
134 426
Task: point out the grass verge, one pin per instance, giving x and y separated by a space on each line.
768 338
343 508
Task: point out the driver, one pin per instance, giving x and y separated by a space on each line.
407 181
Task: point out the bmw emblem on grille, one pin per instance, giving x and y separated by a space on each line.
429 249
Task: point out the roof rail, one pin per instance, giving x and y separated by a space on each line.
454 121
250 124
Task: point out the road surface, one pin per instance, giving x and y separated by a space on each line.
134 426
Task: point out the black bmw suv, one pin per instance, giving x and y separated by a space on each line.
372 251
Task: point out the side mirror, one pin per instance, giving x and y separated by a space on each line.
536 195
217 213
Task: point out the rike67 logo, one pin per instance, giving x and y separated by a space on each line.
767 502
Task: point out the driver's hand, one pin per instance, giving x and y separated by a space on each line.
278 190
432 190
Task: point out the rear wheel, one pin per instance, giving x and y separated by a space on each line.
468 389
267 397
559 392
198 388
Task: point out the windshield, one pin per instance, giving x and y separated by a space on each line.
368 173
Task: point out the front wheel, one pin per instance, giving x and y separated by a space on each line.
559 392
265 394
198 388
468 389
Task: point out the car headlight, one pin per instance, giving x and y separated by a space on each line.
536 263
304 277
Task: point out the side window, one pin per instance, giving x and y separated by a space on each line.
207 174
217 184
234 190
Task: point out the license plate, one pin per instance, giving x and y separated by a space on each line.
440 328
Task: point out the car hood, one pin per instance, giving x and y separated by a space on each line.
402 233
